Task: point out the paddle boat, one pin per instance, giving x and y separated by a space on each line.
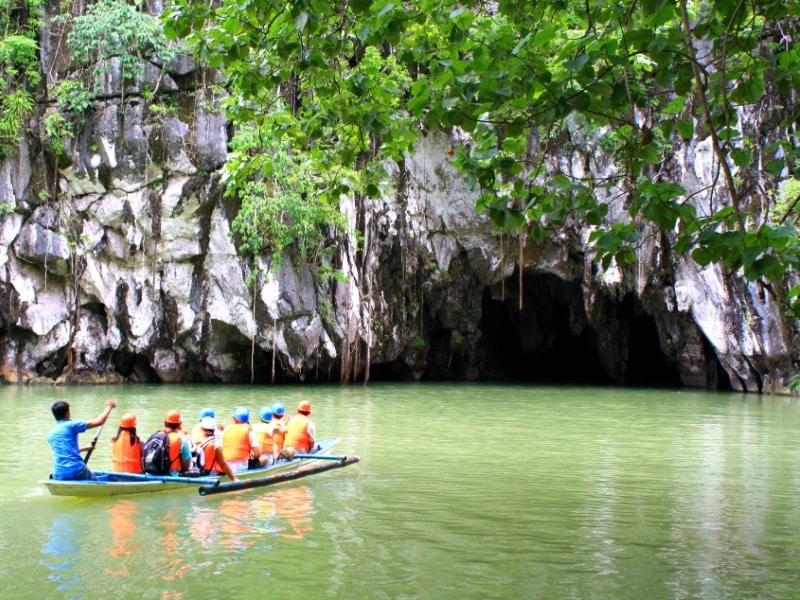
111 483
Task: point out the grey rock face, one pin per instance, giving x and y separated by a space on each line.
43 247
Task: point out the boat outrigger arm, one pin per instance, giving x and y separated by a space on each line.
233 486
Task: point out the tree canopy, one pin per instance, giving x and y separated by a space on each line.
353 84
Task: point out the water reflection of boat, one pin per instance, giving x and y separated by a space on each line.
123 529
294 505
237 524
62 551
235 530
110 483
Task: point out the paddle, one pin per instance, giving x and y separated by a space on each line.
279 478
94 443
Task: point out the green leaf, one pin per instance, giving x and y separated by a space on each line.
577 63
581 101
419 102
520 44
485 153
486 177
702 256
775 166
449 103
749 90
683 244
650 154
767 266
515 145
675 106
360 6
779 237
626 257
384 10
595 216
601 88
740 157
301 21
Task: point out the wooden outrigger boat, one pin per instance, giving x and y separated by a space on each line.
111 483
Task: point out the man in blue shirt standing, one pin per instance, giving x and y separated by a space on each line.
63 439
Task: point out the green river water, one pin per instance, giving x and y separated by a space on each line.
463 491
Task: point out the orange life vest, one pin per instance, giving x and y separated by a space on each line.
236 442
263 435
209 451
297 433
175 443
278 433
126 457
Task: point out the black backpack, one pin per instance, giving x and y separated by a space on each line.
155 454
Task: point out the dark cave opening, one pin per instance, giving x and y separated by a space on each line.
550 341
227 341
545 351
390 371
134 367
646 365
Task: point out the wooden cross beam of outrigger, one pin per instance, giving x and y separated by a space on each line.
233 486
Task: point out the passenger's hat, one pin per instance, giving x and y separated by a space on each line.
241 414
128 420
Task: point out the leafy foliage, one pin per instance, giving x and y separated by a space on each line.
275 211
19 63
56 128
114 28
72 96
352 85
302 74
17 105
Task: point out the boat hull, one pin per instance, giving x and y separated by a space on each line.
110 483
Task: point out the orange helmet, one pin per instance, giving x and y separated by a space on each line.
304 407
128 420
173 417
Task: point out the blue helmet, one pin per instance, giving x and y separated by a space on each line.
206 412
242 414
265 414
278 409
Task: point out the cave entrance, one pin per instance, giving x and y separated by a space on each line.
550 340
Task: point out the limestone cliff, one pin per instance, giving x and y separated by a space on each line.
117 264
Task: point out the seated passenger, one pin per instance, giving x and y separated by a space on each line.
263 431
126 447
300 430
210 458
239 443
180 452
278 426
197 431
